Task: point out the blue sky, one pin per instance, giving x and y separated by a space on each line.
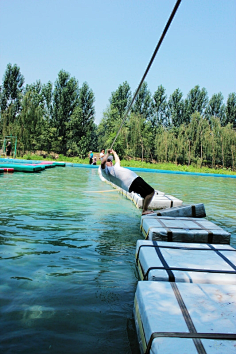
107 42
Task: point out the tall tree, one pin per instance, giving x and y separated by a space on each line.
159 108
142 105
112 117
196 101
86 104
120 100
215 140
198 128
231 109
81 127
176 108
30 121
47 94
11 95
216 108
65 99
161 144
139 137
12 87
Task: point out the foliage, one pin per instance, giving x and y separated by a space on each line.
231 110
216 108
43 117
195 131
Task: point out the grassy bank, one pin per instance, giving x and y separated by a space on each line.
139 164
173 167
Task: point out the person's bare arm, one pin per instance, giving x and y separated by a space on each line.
104 160
117 159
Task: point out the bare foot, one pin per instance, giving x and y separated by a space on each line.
147 212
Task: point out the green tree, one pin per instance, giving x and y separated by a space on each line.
47 94
215 140
12 87
65 99
196 101
231 110
176 108
81 129
48 136
86 104
30 120
142 105
112 118
216 108
159 108
10 99
139 137
197 132
161 144
158 117
119 101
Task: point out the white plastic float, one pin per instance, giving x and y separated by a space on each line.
185 318
167 228
194 210
159 201
186 262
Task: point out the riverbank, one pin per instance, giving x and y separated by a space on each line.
140 164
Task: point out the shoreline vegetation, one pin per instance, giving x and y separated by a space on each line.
168 166
196 130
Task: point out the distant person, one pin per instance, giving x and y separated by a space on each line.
127 179
94 161
102 153
8 148
90 157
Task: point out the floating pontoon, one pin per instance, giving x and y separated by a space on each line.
22 168
183 318
9 170
186 262
194 210
167 228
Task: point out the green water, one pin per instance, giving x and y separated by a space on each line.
68 274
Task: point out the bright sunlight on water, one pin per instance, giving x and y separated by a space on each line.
67 249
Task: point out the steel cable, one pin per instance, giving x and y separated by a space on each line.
149 65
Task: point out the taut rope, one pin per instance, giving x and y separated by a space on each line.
149 65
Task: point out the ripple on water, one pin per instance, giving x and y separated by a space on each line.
68 257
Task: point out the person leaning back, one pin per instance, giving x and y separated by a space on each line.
127 179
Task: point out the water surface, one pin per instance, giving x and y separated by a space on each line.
67 248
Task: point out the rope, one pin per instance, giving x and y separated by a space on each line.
149 65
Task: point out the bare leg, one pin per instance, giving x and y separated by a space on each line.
147 201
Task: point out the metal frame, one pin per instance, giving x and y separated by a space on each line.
9 137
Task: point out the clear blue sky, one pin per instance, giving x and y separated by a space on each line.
107 42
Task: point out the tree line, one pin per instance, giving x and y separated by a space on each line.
61 118
58 118
195 130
